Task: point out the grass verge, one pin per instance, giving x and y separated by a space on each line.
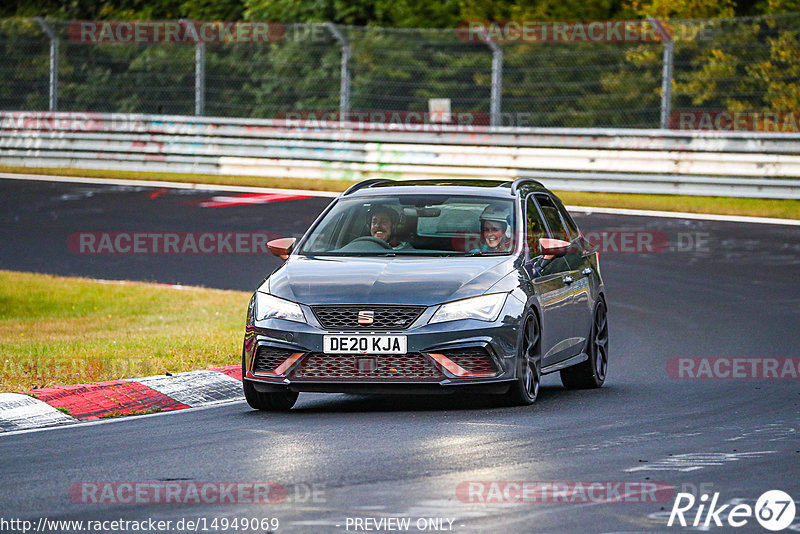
754 207
56 330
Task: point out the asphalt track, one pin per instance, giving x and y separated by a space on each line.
736 295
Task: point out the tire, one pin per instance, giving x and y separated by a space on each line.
526 388
268 402
592 372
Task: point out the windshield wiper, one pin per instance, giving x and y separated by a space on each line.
486 254
368 255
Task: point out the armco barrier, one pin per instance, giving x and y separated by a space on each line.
748 164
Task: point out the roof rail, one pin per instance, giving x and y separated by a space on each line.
519 182
366 183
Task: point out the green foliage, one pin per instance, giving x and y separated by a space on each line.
415 14
720 63
740 65
540 10
682 9
212 9
392 13
24 70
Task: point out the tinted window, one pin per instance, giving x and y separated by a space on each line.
534 227
568 220
554 222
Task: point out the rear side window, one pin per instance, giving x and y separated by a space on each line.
534 227
552 217
568 220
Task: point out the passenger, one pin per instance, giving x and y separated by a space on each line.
383 222
495 230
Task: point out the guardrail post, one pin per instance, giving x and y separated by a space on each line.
666 85
497 79
344 85
53 62
200 78
666 72
497 83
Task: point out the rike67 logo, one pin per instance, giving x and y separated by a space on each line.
774 510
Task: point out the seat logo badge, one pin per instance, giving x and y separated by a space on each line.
366 317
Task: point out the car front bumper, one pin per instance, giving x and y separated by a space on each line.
463 355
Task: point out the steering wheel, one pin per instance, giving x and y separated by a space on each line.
371 239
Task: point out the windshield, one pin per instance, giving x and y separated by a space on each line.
415 225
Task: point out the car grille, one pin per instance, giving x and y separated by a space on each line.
413 366
474 360
385 317
269 358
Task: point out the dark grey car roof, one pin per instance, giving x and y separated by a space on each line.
487 187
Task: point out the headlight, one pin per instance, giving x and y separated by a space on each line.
269 307
483 308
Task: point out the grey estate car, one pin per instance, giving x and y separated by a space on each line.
429 287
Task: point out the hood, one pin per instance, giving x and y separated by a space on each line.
380 280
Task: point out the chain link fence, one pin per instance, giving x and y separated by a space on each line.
327 71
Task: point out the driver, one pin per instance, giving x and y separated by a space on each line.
495 230
382 224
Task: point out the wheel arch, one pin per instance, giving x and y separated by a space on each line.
533 307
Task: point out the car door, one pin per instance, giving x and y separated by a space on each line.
582 271
548 282
575 283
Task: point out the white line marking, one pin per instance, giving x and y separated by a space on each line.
172 185
126 419
137 283
486 424
694 461
330 194
684 215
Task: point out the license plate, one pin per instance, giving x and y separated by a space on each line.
368 344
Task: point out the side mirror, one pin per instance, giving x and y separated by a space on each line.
282 247
553 248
